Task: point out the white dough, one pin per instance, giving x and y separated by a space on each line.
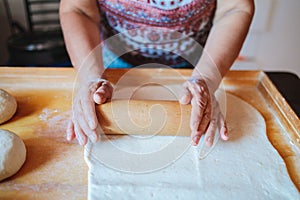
167 167
8 106
12 154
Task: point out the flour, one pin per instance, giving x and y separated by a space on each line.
167 167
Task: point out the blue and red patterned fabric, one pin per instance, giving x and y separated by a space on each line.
156 30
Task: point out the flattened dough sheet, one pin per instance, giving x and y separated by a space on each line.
245 167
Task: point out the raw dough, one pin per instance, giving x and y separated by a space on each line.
8 106
12 154
167 167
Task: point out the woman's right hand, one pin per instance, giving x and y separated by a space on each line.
84 122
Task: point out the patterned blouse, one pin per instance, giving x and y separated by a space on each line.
156 31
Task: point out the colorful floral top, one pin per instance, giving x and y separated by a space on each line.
156 30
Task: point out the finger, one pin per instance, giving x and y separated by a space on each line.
198 106
82 140
205 120
99 96
207 116
82 122
223 128
87 107
70 131
186 97
91 133
195 137
103 93
210 133
203 126
196 117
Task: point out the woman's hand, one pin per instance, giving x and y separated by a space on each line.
206 115
84 122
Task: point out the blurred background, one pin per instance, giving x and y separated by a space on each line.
273 43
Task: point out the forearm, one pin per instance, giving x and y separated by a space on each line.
82 36
224 42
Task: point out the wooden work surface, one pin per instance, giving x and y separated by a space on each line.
55 168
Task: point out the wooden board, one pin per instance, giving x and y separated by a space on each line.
55 169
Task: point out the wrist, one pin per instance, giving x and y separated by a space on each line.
85 75
210 75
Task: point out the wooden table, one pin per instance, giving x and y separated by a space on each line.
55 168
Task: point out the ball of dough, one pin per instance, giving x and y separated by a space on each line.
12 153
8 106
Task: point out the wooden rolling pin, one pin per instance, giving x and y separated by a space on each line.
144 117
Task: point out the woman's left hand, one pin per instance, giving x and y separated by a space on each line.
206 115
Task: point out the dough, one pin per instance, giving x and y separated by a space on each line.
12 154
167 167
8 106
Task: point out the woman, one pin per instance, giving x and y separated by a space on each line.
219 25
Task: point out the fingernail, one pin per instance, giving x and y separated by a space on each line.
94 138
99 98
96 98
183 97
195 140
226 133
181 100
68 137
208 139
91 124
193 143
